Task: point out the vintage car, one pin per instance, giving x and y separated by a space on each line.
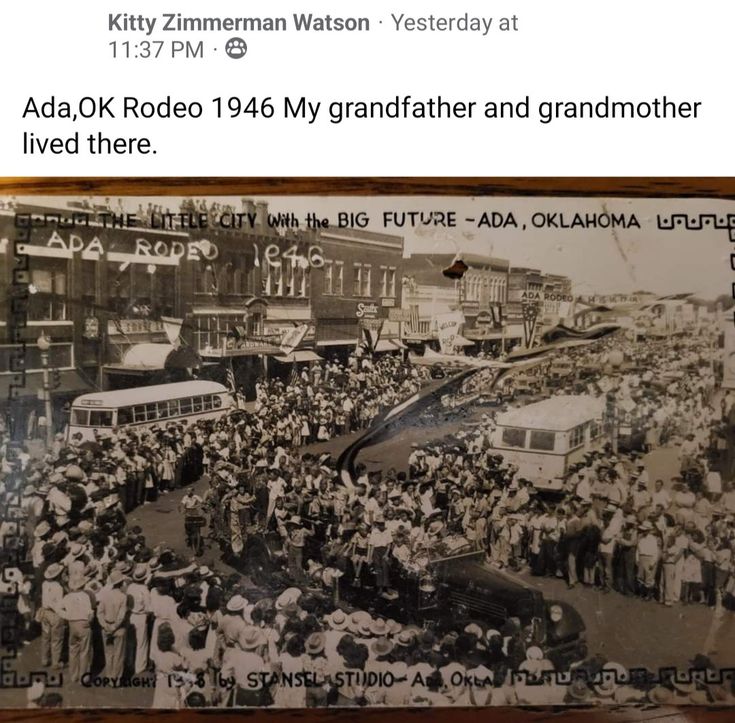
455 584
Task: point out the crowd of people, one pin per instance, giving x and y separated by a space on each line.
111 604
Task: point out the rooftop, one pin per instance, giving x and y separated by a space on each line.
558 414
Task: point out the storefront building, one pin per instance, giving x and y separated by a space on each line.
357 289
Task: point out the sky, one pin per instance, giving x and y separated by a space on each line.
599 261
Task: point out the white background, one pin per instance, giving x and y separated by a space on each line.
565 50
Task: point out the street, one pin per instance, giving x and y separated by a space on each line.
626 630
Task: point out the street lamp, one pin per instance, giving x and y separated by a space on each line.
44 344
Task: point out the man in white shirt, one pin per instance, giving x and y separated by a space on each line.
76 609
53 626
139 602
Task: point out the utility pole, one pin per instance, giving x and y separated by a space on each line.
44 344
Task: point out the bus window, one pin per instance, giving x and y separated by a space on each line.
163 410
543 441
100 418
595 430
207 403
196 404
139 413
514 437
151 413
185 405
125 415
576 437
80 417
173 408
216 401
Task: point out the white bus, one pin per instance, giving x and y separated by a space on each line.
145 406
544 438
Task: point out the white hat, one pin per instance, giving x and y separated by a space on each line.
290 595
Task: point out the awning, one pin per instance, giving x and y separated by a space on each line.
300 355
461 341
385 345
483 334
337 342
154 357
218 311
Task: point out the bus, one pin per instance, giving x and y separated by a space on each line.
545 438
97 414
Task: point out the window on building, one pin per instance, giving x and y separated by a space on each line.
329 277
514 437
357 280
48 290
289 274
339 277
272 279
387 281
543 441
302 281
366 280
210 332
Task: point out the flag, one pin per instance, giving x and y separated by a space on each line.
413 322
370 333
172 327
292 338
231 377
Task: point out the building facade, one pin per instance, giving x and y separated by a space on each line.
481 294
358 288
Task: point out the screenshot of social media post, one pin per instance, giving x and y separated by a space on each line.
368 357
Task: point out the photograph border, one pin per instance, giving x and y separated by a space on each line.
649 187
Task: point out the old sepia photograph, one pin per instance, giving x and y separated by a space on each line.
366 451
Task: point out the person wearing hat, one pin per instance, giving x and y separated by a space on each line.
379 543
232 622
238 662
295 543
76 609
139 600
112 614
53 626
648 554
316 666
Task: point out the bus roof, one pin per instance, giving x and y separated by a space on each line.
558 413
143 395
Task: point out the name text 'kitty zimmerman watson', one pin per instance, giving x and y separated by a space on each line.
130 22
